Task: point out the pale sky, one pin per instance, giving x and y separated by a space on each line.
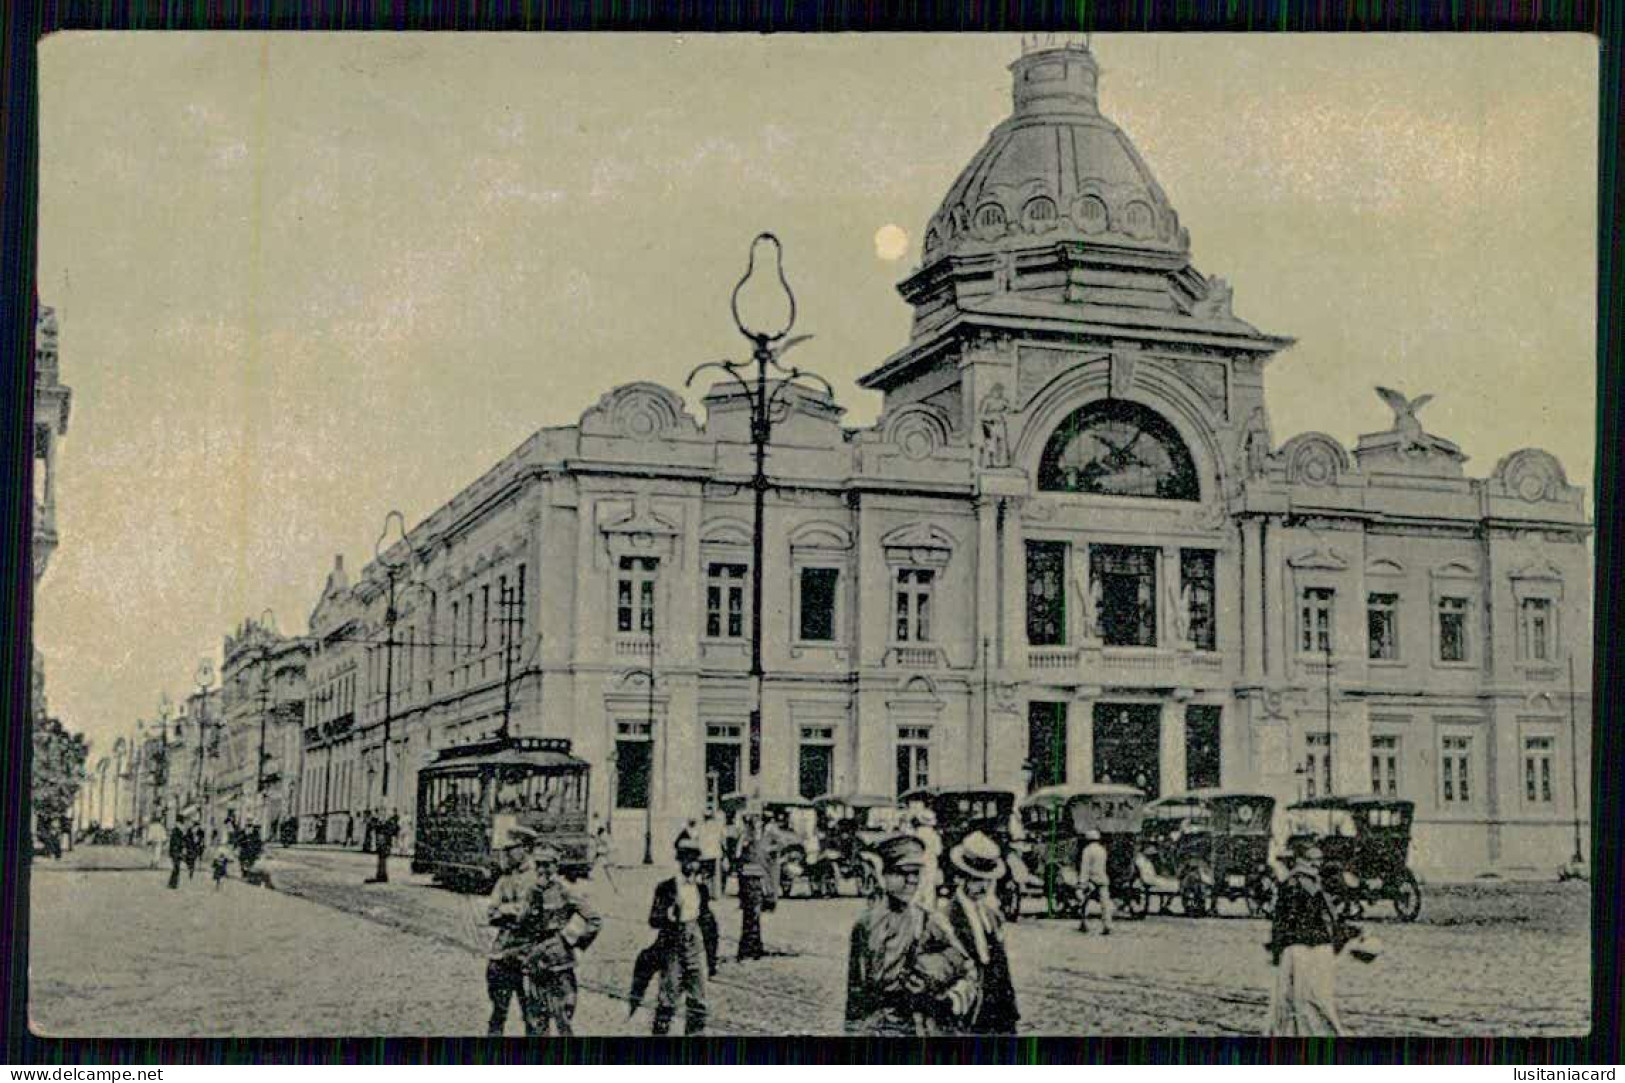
304 279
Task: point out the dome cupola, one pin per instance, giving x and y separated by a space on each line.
1055 169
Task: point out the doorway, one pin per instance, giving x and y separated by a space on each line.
1126 738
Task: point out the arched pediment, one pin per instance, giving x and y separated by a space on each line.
820 535
639 411
1313 458
1454 569
725 531
1532 474
1384 566
918 543
1321 557
917 430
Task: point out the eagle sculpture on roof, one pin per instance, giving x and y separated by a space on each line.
1405 422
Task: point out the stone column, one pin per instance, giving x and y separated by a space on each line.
1276 605
1167 593
1013 648
1251 602
987 600
1080 738
1171 747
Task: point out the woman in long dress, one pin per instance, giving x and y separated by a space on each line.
1304 937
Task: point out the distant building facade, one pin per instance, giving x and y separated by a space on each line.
52 402
1069 550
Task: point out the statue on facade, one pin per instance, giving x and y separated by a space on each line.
1405 420
995 428
1089 596
1217 301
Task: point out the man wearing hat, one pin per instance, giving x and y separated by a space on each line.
686 940
505 970
1094 883
1305 935
973 915
906 976
556 923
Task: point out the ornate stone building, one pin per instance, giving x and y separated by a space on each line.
1069 550
52 400
262 709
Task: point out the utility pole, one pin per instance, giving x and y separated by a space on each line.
1328 706
1574 766
507 602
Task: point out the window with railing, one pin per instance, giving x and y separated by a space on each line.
913 604
1197 598
1535 639
1453 645
913 758
1315 620
635 594
724 601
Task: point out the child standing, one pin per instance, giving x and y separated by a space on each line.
222 857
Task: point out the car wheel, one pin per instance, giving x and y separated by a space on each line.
1407 894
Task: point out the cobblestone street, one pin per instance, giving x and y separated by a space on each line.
113 953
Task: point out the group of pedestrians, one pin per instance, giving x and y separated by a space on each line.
186 844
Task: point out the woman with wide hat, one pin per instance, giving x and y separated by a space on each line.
973 914
1305 936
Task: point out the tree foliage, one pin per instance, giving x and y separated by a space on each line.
59 761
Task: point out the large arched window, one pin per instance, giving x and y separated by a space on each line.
1118 448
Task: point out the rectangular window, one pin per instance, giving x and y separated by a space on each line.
815 775
469 643
1046 593
725 601
635 594
633 758
1046 743
485 616
913 758
818 604
1127 595
1455 770
914 604
1315 620
1537 769
1382 626
722 758
1535 630
1202 745
1197 598
1317 764
1452 629
1385 766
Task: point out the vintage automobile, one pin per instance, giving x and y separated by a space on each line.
794 815
1054 820
472 794
847 825
1365 844
961 810
1209 845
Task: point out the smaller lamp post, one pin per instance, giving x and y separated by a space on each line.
203 676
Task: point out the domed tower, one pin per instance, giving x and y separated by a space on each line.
1056 268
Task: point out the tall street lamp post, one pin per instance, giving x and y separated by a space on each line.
648 673
393 567
160 768
768 345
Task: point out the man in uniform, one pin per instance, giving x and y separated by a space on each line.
1094 882
681 915
906 976
179 847
505 970
556 923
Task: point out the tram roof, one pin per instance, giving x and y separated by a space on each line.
546 753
